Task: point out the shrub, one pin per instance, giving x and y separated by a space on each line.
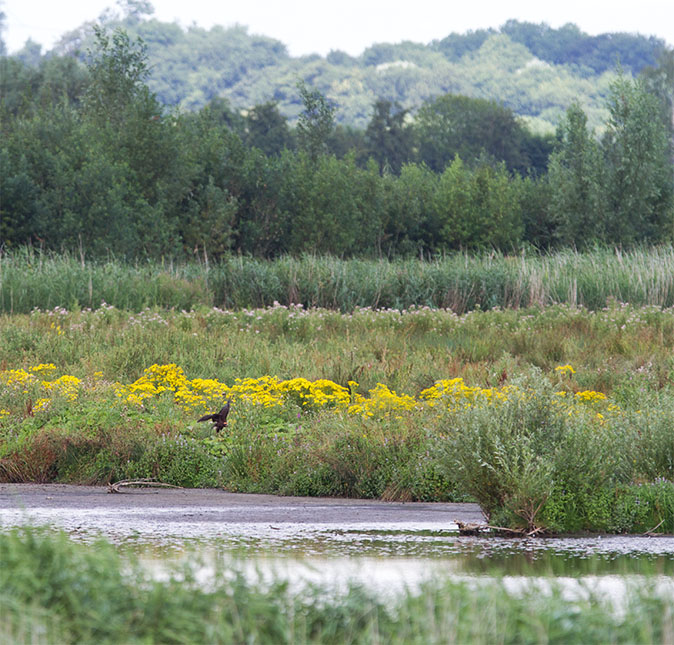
533 463
502 454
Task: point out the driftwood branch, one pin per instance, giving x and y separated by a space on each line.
141 483
470 529
477 529
652 532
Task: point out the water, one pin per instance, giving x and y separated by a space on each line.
391 562
384 556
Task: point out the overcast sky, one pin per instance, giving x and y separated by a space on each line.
313 26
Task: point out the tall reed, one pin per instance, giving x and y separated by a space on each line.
29 278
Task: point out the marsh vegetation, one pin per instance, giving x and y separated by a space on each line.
553 418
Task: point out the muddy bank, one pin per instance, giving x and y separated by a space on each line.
195 512
237 506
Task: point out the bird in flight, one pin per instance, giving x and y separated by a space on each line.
219 419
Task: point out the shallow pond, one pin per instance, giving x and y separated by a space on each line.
386 556
382 558
390 562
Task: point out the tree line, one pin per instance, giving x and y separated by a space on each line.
90 159
529 68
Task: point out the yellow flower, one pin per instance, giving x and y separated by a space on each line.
41 404
590 396
16 377
43 367
455 393
65 385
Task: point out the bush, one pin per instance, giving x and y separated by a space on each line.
331 455
177 460
502 454
532 463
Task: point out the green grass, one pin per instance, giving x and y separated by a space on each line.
618 350
55 590
29 279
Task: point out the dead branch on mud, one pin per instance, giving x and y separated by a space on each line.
478 529
140 483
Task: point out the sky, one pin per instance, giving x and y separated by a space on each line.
315 26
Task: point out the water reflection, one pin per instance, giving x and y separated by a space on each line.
423 555
378 554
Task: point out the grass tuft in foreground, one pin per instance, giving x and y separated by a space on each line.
55 590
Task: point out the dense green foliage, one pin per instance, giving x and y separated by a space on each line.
533 464
92 161
55 590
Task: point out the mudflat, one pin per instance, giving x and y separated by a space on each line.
208 505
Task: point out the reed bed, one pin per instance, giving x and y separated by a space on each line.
29 278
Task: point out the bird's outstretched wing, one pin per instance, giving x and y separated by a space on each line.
219 419
224 410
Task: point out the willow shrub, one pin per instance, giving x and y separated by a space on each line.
531 463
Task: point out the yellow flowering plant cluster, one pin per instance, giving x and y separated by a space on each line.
199 393
565 370
21 380
454 394
586 396
66 385
194 396
269 391
38 385
17 379
381 401
590 396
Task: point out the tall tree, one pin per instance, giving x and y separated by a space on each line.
576 182
640 181
388 136
118 69
316 122
129 124
659 81
267 129
453 124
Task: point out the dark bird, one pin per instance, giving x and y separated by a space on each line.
219 419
